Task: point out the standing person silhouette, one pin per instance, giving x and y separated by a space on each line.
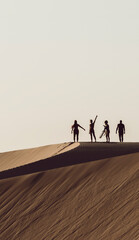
75 130
121 130
91 129
106 131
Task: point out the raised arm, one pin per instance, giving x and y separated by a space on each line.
95 119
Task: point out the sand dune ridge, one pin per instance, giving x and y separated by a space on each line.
89 193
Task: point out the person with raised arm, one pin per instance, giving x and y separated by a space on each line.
91 129
75 130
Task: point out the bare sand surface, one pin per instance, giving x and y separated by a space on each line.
17 158
89 192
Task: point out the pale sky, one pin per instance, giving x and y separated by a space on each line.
64 60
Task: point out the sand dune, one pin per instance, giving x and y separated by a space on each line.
89 192
18 158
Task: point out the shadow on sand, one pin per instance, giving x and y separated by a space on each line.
86 152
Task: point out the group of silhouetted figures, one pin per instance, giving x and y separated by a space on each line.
106 131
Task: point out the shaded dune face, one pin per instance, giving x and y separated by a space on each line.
91 192
62 155
19 158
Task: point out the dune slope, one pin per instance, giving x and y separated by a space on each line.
87 198
17 158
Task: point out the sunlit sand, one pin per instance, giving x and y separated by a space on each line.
70 191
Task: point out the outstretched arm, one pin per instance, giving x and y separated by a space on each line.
81 127
95 119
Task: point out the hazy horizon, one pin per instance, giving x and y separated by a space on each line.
62 61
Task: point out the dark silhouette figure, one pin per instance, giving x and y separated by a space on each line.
75 130
91 129
106 131
121 130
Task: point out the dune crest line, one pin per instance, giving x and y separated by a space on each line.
18 158
85 152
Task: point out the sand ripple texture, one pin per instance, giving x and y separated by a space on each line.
86 191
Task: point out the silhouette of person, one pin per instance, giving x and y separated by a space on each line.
75 130
121 130
91 129
106 131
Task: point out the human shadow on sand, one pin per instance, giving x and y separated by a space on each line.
86 152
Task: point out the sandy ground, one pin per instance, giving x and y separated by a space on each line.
17 158
70 191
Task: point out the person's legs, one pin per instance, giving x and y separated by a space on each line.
122 137
94 136
91 137
108 137
74 137
77 137
106 134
